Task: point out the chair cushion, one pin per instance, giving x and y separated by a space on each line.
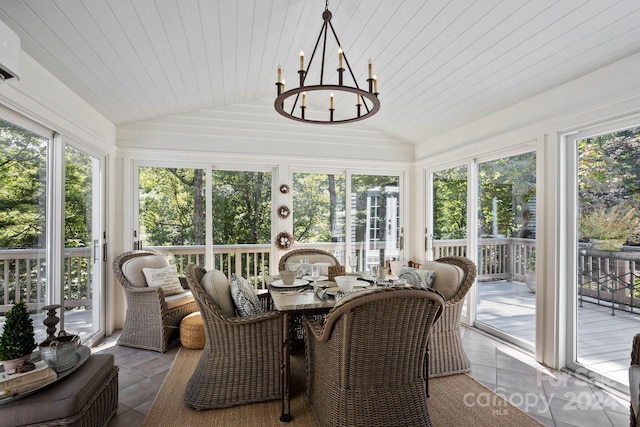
216 285
132 269
448 277
417 277
176 300
62 399
244 296
165 278
634 387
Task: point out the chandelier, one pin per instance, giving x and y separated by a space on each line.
366 102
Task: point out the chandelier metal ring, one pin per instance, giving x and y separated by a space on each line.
279 103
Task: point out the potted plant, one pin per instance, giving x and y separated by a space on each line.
530 275
18 338
609 228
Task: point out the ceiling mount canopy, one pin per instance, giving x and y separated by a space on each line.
365 102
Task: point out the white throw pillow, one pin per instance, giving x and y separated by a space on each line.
244 296
166 278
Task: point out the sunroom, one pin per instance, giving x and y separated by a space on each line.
502 130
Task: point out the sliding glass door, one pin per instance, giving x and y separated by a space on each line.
84 242
24 218
606 300
506 212
486 211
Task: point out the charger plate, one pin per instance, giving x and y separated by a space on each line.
297 283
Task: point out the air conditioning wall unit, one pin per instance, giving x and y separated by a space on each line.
9 53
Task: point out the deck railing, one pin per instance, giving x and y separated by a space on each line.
606 278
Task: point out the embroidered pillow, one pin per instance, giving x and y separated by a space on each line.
166 278
417 277
244 296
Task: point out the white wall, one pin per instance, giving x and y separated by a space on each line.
608 95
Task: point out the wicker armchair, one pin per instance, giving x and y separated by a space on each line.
314 255
634 382
152 319
454 277
240 362
365 366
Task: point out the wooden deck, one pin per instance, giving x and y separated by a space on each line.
604 341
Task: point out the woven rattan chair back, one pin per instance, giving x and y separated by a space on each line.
447 355
223 376
365 365
313 253
149 323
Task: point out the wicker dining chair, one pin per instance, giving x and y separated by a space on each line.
240 362
365 365
634 382
454 277
152 319
314 255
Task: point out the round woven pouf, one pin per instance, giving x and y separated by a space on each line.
192 331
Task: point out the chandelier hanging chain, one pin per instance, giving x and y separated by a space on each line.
305 73
362 95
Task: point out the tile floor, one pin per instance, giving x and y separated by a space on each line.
554 398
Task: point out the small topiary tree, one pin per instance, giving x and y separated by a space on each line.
18 338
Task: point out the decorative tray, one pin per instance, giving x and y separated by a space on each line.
82 354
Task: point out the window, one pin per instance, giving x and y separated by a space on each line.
376 232
23 219
319 211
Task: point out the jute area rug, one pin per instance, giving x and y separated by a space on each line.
456 400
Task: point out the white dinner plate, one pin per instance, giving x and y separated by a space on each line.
360 284
319 279
280 284
389 277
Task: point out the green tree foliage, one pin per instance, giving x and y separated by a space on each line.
78 191
23 161
315 217
511 182
506 184
450 204
241 207
609 174
609 170
169 211
172 206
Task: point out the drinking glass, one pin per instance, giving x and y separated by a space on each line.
304 266
353 263
315 275
374 271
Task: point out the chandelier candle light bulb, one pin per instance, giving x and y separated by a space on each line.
331 100
375 84
339 57
370 69
279 74
301 61
304 96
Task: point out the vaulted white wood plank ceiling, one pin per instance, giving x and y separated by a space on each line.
439 63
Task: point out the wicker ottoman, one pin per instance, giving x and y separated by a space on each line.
87 397
192 331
